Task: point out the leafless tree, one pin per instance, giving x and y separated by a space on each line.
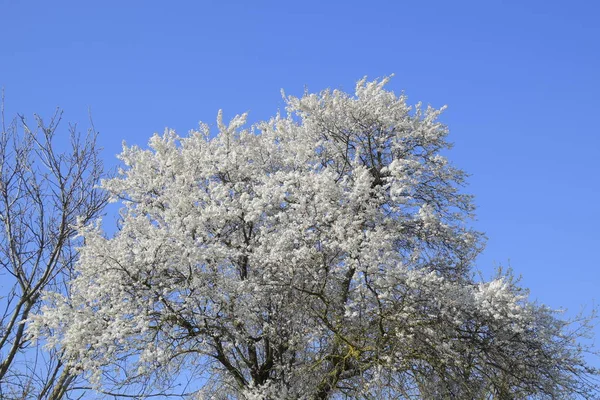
48 185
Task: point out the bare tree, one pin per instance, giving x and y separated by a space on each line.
47 186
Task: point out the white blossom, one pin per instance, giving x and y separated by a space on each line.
322 252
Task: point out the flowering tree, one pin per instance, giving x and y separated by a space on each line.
321 254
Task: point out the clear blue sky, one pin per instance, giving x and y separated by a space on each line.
521 79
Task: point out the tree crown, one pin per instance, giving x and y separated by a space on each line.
321 253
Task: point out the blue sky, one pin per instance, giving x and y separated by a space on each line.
521 79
